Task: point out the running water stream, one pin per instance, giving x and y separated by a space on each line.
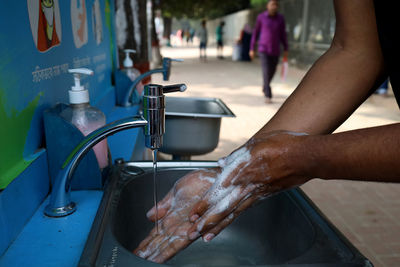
155 186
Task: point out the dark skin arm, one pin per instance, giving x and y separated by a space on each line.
330 92
370 154
341 79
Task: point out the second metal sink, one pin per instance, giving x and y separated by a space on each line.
192 125
284 230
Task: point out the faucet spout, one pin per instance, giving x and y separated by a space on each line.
165 70
126 102
60 203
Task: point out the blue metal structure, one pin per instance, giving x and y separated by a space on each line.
39 42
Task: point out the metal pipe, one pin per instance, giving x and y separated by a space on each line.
165 70
126 101
60 203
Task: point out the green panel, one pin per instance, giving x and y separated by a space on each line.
13 133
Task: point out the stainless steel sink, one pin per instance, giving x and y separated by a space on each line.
192 125
284 230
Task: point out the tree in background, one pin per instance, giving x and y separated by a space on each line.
258 3
131 21
131 31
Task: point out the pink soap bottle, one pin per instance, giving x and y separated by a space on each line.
85 117
131 72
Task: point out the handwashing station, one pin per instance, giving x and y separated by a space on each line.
74 185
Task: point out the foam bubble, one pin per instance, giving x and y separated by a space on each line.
144 254
235 155
207 178
225 203
200 225
173 238
234 160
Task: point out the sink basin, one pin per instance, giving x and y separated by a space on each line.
283 230
192 125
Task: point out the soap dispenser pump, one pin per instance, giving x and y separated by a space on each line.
129 70
78 94
85 117
132 73
128 63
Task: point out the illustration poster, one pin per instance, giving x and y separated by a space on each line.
47 38
45 22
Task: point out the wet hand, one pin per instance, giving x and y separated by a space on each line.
262 167
173 215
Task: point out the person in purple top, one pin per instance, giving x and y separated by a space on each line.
270 33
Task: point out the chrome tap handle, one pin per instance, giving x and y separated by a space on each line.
174 88
167 66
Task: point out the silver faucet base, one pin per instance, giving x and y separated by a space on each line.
61 211
153 141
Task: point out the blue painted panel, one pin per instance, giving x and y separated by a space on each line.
81 37
27 74
70 53
29 189
123 143
20 199
61 139
54 241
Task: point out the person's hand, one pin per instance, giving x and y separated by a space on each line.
173 215
251 54
285 55
263 166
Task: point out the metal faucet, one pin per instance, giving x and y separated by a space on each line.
154 112
165 70
153 122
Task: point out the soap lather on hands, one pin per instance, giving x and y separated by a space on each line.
204 202
255 171
173 215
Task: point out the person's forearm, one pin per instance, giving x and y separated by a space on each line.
254 36
330 92
340 80
284 38
371 154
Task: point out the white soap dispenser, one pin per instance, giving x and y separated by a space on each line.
130 71
85 117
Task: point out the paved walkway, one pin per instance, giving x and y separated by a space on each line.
368 214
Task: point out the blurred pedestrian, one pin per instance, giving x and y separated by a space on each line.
187 36
192 32
244 41
179 34
203 36
270 33
219 33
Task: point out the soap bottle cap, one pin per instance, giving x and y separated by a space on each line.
78 94
128 63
